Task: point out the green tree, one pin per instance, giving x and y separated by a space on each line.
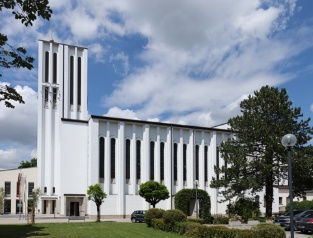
153 192
2 196
28 164
15 57
96 194
36 193
255 158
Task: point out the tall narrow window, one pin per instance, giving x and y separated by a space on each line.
54 97
152 160
55 65
197 162
7 189
217 161
112 158
72 80
138 159
46 67
79 80
162 161
127 159
206 163
185 162
31 186
175 161
101 157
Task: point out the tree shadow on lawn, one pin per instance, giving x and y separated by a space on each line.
19 231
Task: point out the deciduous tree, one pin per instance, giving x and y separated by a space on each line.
2 196
28 164
255 158
153 192
36 193
96 194
11 56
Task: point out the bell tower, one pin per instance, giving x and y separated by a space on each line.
62 96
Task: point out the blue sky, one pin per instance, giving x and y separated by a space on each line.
171 61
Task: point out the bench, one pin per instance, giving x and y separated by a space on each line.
76 218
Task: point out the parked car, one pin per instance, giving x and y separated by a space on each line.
284 221
305 224
138 216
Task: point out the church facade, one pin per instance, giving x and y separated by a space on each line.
76 150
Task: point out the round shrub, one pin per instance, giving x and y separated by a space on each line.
244 207
264 230
153 213
170 217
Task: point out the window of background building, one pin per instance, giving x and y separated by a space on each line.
7 189
31 186
19 207
7 206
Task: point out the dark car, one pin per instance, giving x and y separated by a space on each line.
284 221
138 215
305 224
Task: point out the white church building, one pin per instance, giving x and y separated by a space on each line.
76 150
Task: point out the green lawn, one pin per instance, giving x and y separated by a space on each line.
83 229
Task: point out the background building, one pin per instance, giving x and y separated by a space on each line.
18 185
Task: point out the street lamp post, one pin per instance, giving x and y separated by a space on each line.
289 141
196 183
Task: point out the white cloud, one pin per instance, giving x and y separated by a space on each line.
117 112
97 52
311 107
18 128
120 63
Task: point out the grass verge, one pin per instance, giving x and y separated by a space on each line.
85 229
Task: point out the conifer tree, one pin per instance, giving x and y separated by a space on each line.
254 158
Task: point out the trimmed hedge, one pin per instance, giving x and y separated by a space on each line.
221 220
264 230
183 197
153 213
219 232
